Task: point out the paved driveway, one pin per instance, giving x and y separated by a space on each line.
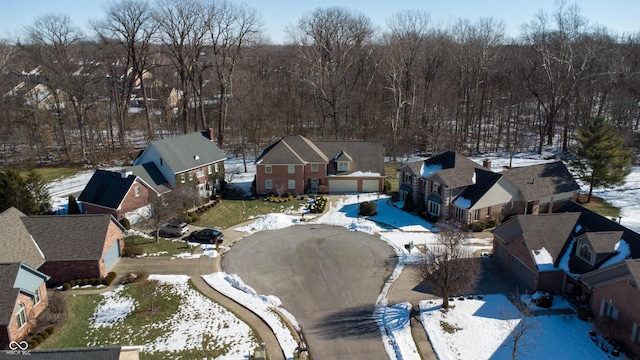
328 277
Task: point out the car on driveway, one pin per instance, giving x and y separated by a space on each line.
207 235
174 228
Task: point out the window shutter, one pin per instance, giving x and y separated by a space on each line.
634 331
602 307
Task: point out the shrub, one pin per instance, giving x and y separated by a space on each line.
188 219
66 286
491 223
408 204
109 278
584 314
38 339
32 344
85 282
50 329
72 283
386 187
368 208
125 223
542 299
477 226
132 251
43 334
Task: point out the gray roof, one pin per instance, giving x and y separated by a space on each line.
366 156
414 166
99 353
70 237
604 241
151 175
16 244
106 189
8 294
634 269
629 268
485 179
185 152
457 170
543 180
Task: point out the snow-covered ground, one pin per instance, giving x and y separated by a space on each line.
198 323
484 323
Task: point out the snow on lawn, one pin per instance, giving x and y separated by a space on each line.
271 221
396 330
232 286
198 321
480 329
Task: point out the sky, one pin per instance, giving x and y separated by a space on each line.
617 15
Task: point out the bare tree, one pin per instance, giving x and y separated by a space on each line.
519 325
448 267
163 208
150 290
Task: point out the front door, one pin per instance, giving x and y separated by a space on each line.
314 184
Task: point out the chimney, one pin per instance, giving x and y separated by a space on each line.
210 133
486 163
125 173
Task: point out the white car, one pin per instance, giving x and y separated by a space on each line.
174 228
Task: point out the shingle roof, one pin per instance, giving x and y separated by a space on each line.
457 170
106 188
16 245
414 166
70 237
367 156
151 175
593 222
604 241
543 180
8 294
634 269
549 231
99 353
185 152
485 180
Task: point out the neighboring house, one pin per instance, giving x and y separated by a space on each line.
457 190
66 247
186 160
615 294
23 297
298 165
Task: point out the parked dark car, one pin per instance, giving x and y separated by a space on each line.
207 235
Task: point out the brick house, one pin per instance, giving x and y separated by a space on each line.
23 297
615 294
298 165
457 190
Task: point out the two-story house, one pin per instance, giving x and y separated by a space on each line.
298 165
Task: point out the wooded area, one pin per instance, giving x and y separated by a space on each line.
150 70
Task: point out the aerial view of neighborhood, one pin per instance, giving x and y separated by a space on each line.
217 179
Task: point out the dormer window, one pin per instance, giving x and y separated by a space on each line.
436 188
584 252
343 166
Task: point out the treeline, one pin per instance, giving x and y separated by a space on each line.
149 70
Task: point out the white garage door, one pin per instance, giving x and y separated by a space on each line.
343 185
370 185
112 255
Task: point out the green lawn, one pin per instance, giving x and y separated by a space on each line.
164 247
51 174
391 174
232 212
599 206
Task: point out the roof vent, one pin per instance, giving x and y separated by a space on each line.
196 157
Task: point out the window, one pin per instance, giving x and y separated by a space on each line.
190 175
200 172
635 333
436 188
36 297
434 208
314 167
607 309
291 184
343 166
217 167
182 178
137 191
584 252
476 215
460 213
268 184
267 169
291 169
210 169
407 177
21 315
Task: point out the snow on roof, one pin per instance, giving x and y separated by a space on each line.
427 170
543 259
364 174
622 247
462 203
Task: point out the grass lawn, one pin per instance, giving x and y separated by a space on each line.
136 329
599 206
391 174
232 212
51 174
165 247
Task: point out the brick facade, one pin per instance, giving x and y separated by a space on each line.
14 333
280 178
624 297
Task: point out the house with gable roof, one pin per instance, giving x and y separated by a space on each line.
188 160
298 165
23 297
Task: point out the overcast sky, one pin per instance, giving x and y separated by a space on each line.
621 16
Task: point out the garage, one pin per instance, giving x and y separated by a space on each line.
112 255
343 186
500 253
370 185
522 272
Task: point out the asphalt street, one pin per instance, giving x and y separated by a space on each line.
328 277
